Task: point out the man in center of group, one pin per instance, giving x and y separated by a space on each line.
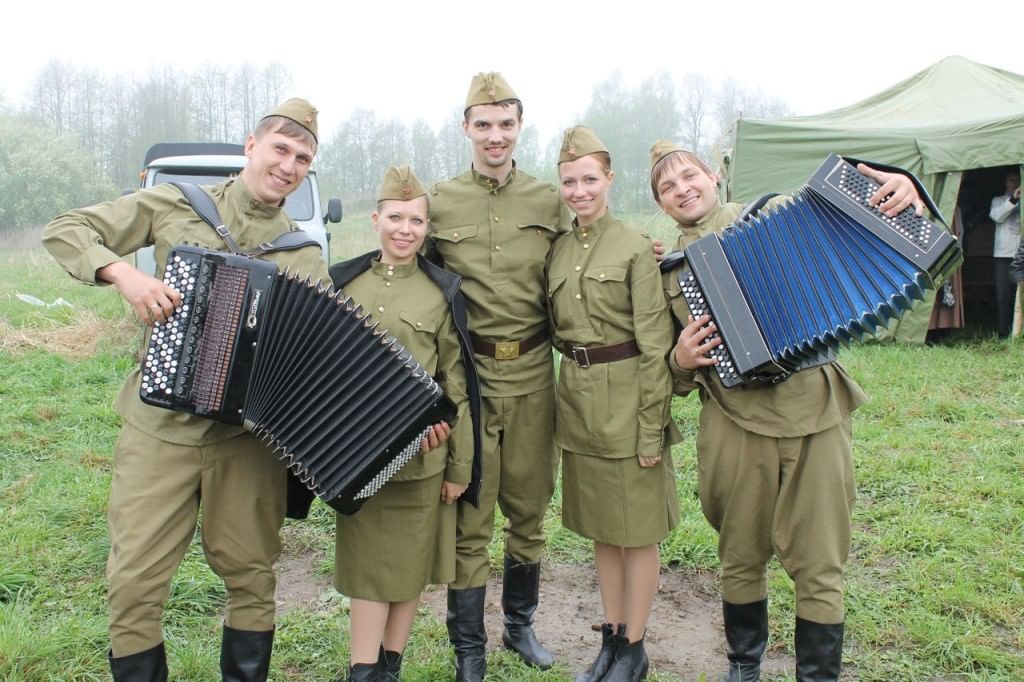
494 226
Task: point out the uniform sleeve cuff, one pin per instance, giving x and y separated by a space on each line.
94 259
650 443
458 473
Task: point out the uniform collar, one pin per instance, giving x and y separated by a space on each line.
711 217
594 229
395 271
489 182
240 197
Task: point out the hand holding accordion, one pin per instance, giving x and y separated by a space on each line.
788 286
299 365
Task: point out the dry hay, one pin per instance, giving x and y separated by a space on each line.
75 341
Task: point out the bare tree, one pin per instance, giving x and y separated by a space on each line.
51 95
694 102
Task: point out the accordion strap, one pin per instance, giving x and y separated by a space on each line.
289 241
202 204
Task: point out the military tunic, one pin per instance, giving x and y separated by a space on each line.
496 236
164 459
604 289
775 468
403 538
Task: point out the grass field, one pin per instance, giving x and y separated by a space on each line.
935 581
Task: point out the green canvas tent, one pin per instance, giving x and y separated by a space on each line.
951 118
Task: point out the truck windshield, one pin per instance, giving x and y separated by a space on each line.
299 203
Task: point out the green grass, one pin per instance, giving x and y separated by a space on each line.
935 586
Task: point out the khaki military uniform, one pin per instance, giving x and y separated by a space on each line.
775 469
497 237
165 461
604 289
403 538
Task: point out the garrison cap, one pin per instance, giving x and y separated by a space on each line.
488 88
400 184
300 111
579 141
661 149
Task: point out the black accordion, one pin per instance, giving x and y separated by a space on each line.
296 363
789 285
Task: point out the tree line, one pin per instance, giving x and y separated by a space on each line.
81 135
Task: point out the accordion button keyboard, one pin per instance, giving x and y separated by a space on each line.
168 338
694 298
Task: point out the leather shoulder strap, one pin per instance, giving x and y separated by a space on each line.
202 204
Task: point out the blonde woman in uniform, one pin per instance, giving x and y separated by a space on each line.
613 424
403 538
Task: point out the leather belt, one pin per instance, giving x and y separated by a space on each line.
508 350
585 357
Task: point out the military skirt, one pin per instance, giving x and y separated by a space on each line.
615 501
400 541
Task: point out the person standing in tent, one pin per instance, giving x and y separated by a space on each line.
775 461
1005 213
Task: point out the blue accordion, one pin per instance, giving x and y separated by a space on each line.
789 285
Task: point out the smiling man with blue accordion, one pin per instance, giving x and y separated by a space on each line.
763 301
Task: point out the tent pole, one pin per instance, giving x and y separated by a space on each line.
1018 317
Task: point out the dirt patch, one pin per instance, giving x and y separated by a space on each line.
684 636
75 341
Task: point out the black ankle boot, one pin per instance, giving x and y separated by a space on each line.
146 666
631 662
819 651
606 656
746 632
363 672
245 654
519 596
389 665
466 633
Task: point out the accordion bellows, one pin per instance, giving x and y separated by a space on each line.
789 285
296 363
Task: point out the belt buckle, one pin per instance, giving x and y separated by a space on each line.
506 350
585 363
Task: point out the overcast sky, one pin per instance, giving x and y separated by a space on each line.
415 59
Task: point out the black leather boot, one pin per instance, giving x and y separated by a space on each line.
245 654
466 633
606 656
631 662
519 596
363 672
819 651
389 665
146 666
746 632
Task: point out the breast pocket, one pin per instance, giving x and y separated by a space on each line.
457 234
418 322
606 291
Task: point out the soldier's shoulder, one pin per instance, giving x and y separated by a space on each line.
530 181
453 183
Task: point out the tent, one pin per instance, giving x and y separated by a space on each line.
951 118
